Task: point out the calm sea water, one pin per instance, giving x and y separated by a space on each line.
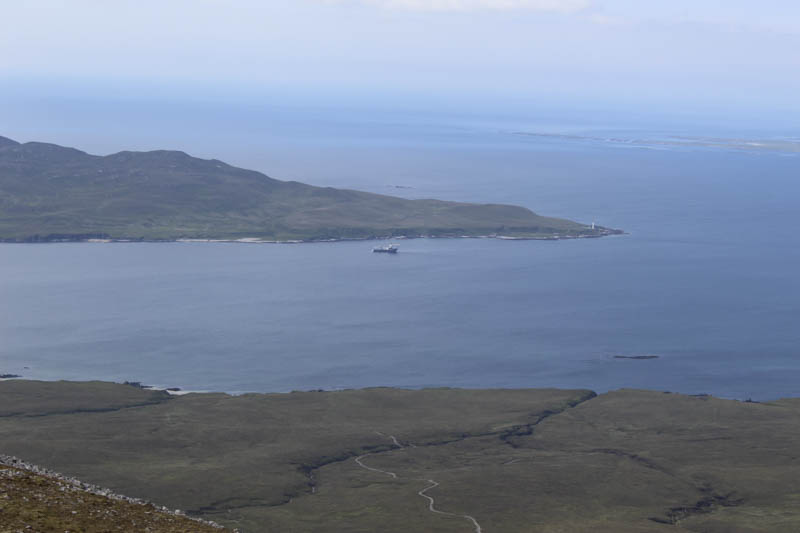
707 279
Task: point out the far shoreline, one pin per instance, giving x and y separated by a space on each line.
175 391
604 232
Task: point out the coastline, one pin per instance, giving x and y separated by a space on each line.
601 232
176 391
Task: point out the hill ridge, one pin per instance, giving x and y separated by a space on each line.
53 193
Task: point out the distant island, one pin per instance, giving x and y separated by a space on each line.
49 193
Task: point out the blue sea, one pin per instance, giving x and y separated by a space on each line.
706 277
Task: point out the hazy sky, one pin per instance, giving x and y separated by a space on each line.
716 52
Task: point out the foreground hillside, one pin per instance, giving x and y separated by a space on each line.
442 460
48 192
43 502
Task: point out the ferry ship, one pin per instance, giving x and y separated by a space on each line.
388 249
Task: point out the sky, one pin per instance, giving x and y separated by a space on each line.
726 55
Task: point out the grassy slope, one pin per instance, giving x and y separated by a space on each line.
46 504
50 192
516 460
235 458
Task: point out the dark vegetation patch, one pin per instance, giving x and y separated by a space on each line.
707 504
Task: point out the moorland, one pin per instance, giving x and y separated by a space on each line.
449 460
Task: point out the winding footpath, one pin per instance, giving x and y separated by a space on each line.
433 484
362 465
433 509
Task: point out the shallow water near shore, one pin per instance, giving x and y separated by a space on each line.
706 280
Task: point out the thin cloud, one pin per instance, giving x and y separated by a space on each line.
606 20
558 6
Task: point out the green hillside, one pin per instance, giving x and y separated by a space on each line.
49 192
